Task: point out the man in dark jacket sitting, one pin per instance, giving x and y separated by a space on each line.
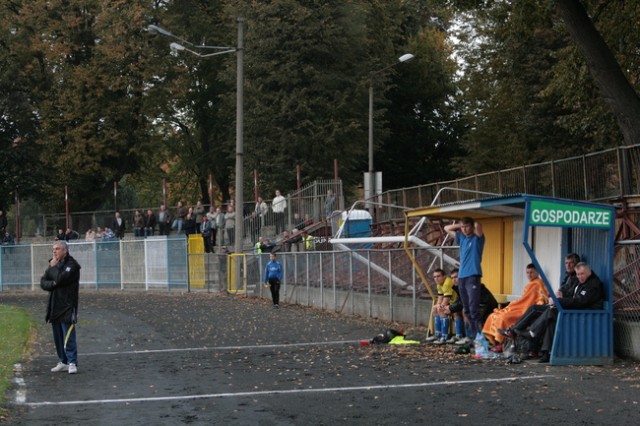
587 293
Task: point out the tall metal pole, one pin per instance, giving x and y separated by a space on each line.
256 190
372 179
18 220
211 203
239 232
164 192
66 205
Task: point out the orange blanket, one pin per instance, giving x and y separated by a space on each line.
535 293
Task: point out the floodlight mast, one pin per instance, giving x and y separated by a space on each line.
239 50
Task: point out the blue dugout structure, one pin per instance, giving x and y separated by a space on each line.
521 229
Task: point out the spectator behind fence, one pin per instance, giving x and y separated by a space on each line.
278 207
71 235
309 241
138 224
220 221
118 226
149 224
205 227
7 238
260 211
230 225
189 225
198 214
329 203
90 235
164 220
60 236
258 247
3 221
108 234
213 214
285 242
99 233
181 213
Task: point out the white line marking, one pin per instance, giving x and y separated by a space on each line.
21 392
279 392
223 348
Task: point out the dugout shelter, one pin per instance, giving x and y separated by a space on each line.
521 229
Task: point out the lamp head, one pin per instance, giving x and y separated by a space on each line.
154 29
406 57
176 47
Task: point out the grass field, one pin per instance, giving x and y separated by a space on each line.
15 329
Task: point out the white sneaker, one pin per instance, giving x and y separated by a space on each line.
453 339
73 369
463 341
60 367
432 338
442 341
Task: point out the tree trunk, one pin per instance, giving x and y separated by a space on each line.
614 87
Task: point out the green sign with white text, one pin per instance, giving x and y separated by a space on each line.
548 213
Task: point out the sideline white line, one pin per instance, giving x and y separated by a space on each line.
21 391
221 348
280 392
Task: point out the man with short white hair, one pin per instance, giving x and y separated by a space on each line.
62 281
587 294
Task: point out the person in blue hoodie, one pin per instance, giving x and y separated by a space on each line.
272 278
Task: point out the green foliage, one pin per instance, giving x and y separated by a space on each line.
528 92
94 99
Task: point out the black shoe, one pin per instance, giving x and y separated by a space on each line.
523 333
546 357
507 332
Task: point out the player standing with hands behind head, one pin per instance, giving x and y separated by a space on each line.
62 281
272 278
470 238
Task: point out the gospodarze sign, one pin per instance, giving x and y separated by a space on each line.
559 214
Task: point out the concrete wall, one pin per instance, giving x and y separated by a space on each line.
398 309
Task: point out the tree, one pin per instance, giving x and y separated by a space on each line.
612 83
190 99
88 97
422 118
527 89
18 121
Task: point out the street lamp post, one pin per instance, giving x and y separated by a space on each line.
201 51
372 179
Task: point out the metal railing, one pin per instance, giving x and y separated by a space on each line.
626 299
305 205
600 176
155 263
